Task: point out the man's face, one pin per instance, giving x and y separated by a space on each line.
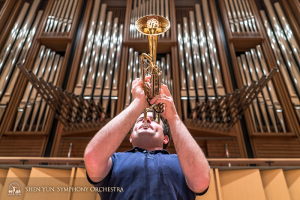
151 136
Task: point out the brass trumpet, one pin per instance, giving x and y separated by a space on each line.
152 26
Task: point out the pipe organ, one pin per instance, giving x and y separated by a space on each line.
61 16
97 79
16 48
148 7
134 68
200 71
285 48
266 110
47 67
219 59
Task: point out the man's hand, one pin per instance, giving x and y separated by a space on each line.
166 98
137 91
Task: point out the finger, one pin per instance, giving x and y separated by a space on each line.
165 90
161 96
161 100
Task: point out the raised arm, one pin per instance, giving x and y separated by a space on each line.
192 160
99 150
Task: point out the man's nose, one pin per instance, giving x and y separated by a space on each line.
148 120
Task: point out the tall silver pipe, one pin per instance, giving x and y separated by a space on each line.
95 55
248 17
61 16
163 68
196 59
251 15
167 16
66 16
17 47
255 104
271 89
33 94
220 90
157 7
239 15
168 70
234 16
243 14
114 92
229 15
162 12
21 60
54 83
103 58
129 78
241 67
38 100
51 16
109 65
260 98
43 102
210 92
183 82
189 64
288 33
26 94
283 45
72 14
55 13
87 50
30 37
13 35
59 13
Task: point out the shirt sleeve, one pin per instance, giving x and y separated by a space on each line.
103 182
202 193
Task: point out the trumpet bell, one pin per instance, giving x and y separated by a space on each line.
152 25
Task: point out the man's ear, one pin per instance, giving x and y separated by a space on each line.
130 139
166 139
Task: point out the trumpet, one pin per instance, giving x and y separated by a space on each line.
152 26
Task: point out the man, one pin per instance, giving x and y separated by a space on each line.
147 171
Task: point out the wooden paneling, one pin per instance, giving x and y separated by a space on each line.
21 176
293 183
49 178
240 184
3 174
276 147
21 146
274 184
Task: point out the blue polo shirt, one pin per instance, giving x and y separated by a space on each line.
139 174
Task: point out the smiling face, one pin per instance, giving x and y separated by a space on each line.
150 137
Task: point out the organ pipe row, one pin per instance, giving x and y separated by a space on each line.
61 16
266 110
149 7
47 67
16 48
101 59
285 48
200 72
240 16
134 68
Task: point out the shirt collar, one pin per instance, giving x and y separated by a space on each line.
163 151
